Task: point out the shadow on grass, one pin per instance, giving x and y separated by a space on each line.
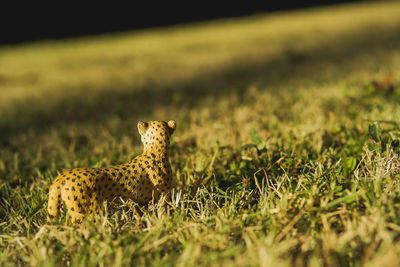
270 73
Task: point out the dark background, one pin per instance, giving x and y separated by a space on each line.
27 22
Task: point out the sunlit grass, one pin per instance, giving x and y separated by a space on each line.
278 158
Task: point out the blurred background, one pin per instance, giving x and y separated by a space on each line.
34 22
67 69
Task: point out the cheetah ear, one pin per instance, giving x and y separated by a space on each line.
172 126
142 127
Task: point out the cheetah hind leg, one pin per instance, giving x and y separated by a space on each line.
76 211
95 208
54 203
76 217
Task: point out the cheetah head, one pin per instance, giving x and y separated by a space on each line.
156 133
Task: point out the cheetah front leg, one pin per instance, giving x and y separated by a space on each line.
162 183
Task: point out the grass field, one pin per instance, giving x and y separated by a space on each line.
286 151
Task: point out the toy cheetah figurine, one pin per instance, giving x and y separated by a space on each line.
83 190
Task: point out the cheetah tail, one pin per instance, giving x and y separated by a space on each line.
53 207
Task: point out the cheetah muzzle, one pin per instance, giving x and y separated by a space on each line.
149 175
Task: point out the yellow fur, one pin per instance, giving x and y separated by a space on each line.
149 175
